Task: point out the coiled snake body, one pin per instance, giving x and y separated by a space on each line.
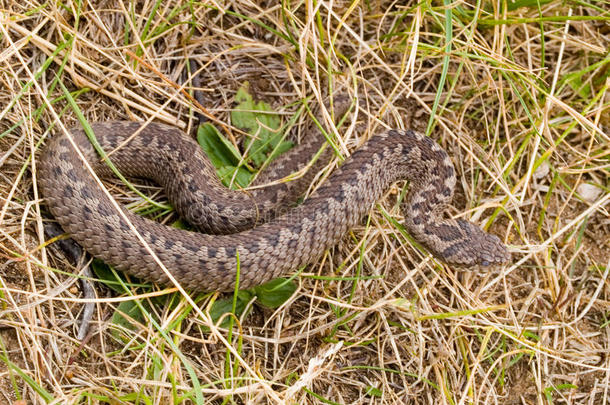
209 261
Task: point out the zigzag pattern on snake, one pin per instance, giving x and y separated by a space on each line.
232 219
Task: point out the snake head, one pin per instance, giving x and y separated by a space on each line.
478 248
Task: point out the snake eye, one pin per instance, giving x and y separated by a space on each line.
485 263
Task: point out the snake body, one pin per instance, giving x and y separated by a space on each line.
248 226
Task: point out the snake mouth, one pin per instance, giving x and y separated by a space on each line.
487 253
478 249
501 261
495 253
484 262
492 253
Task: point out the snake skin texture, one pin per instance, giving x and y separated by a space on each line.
251 225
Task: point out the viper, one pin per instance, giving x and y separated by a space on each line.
250 230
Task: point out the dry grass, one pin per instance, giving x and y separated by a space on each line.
519 98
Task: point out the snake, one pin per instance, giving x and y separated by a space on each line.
248 236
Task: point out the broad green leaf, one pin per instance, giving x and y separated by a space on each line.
180 224
275 292
225 305
223 155
110 278
220 151
125 312
283 147
270 295
242 178
258 120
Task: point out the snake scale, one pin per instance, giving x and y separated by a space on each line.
255 226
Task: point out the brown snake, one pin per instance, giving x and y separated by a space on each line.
283 242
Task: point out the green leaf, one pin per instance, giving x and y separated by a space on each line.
373 391
180 224
225 305
136 397
226 173
220 151
258 120
574 80
548 391
270 295
223 155
123 316
581 84
274 293
264 126
283 147
111 279
566 386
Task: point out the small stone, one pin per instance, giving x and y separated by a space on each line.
588 191
542 170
